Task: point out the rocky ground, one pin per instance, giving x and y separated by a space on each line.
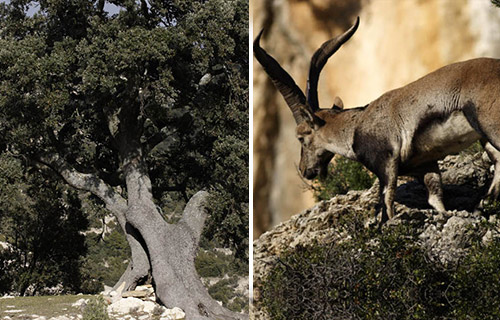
138 304
133 305
465 178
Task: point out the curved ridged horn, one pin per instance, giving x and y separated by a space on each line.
294 97
319 59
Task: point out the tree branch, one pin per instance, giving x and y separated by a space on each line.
88 182
194 214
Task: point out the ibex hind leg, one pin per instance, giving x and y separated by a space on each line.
494 189
432 181
486 121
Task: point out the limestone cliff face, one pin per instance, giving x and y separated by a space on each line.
397 42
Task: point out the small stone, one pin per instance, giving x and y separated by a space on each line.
60 318
492 219
488 236
144 287
149 306
135 294
173 314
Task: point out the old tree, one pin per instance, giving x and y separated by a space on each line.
139 108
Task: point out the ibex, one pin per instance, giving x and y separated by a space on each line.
405 131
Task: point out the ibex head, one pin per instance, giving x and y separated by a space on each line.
314 157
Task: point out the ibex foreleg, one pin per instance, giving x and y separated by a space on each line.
388 178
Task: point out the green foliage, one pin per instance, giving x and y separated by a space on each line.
211 263
476 284
42 222
96 309
239 304
344 175
381 275
216 264
221 291
105 262
491 206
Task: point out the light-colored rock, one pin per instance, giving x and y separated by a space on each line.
135 294
5 245
60 318
173 314
80 303
149 306
127 305
107 290
144 287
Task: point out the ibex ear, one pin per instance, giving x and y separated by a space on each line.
338 103
310 118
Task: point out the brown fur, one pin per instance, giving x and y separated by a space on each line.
406 130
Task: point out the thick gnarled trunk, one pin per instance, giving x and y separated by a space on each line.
172 248
166 250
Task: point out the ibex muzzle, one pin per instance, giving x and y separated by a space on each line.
405 131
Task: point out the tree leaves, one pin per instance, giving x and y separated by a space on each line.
69 71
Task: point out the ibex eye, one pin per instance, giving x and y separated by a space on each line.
301 139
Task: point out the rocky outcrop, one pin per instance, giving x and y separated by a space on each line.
445 236
142 303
